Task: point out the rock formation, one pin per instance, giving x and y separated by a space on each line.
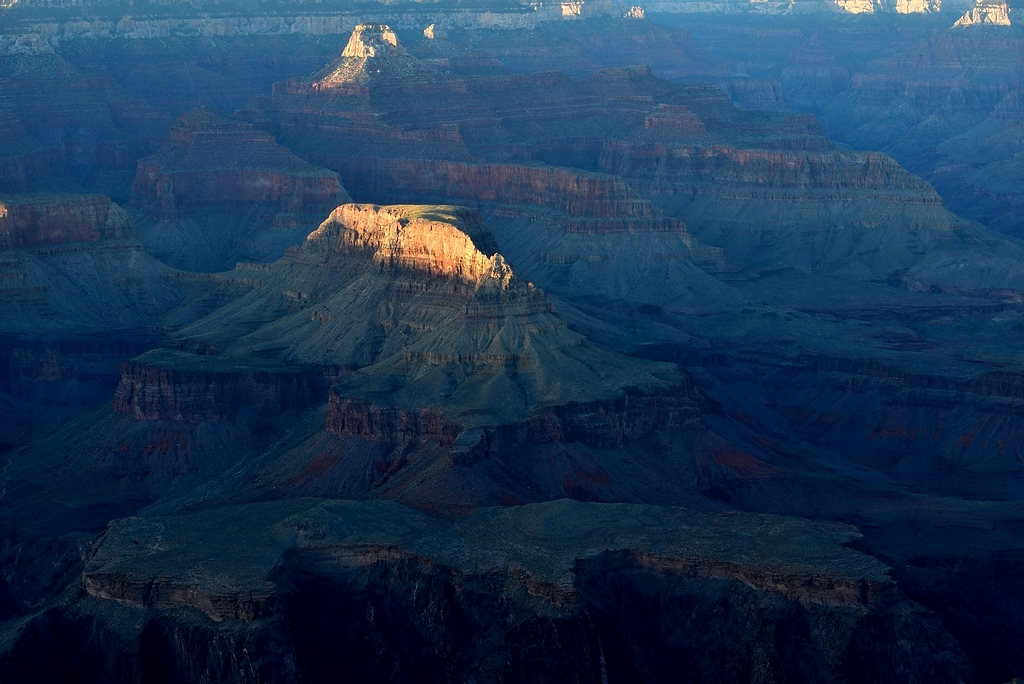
372 51
230 508
28 220
571 575
176 386
768 189
261 197
77 296
69 265
414 307
985 13
106 129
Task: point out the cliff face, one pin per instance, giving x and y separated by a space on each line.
760 174
932 100
859 214
39 220
179 387
985 13
476 140
603 424
212 160
348 417
220 182
69 266
623 151
574 192
450 243
311 573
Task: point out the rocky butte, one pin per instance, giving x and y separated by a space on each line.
429 330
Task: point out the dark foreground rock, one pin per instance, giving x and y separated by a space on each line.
306 589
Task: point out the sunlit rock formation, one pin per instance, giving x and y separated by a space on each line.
372 49
986 13
434 350
767 188
417 298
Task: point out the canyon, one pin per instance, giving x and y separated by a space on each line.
565 342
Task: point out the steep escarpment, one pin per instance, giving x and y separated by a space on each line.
985 13
191 171
69 265
28 220
212 165
857 214
181 387
554 588
576 193
934 104
477 141
602 424
443 365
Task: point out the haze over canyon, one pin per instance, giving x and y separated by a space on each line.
484 341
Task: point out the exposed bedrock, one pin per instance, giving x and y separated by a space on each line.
219 192
607 424
176 386
210 159
804 174
415 306
574 192
30 220
68 126
561 590
767 188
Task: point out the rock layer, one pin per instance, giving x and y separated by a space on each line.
219 192
39 220
212 160
181 387
768 188
568 574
